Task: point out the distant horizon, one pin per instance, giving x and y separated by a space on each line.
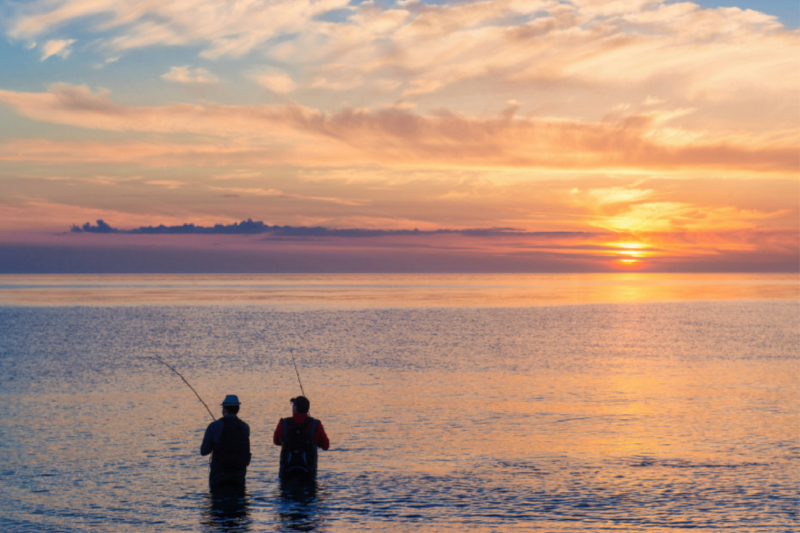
351 291
126 253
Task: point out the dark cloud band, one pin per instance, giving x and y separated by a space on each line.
257 227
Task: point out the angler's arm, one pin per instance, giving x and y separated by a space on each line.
208 441
320 438
277 437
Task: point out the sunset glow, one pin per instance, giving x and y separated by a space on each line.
540 135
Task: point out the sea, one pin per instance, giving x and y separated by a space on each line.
483 403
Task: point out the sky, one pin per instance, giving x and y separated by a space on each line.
514 135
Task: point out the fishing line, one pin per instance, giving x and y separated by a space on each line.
296 372
187 383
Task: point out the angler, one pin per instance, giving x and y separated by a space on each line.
228 442
299 437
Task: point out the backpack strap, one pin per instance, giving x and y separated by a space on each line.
285 422
314 425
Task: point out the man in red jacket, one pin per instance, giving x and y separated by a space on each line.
299 437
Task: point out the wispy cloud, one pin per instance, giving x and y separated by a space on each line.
238 174
275 81
39 214
610 195
685 49
169 184
678 217
187 74
632 140
221 27
244 191
59 47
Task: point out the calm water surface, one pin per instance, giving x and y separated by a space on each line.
452 403
390 290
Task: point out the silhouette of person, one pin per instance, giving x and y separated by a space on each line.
228 442
299 437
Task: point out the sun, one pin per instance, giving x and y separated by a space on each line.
632 252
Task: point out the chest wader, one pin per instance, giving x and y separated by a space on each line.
299 451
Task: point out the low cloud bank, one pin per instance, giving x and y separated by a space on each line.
257 227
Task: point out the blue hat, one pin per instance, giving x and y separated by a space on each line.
231 399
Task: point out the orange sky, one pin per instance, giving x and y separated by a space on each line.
603 135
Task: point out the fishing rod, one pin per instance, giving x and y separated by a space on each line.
296 372
187 383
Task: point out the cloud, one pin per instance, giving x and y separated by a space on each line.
257 227
417 87
682 50
101 227
654 208
611 195
678 217
60 48
254 191
679 48
275 81
343 78
187 74
238 174
169 184
221 27
27 215
108 180
293 132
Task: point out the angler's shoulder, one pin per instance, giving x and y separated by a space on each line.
217 424
214 430
238 423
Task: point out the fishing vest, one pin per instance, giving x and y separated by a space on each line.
299 451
